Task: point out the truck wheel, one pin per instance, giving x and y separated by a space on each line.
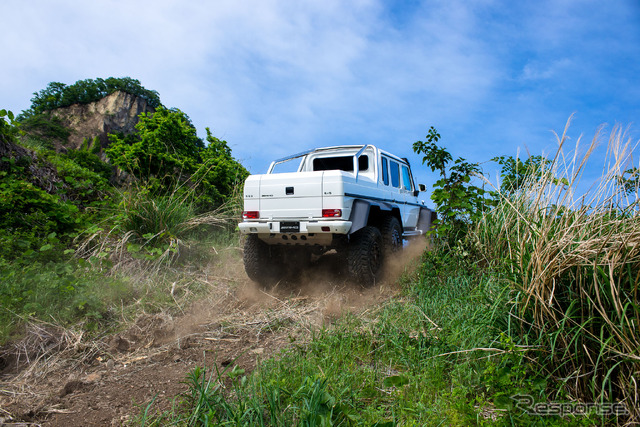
258 262
391 235
365 255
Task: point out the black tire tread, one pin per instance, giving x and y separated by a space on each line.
363 263
255 258
389 226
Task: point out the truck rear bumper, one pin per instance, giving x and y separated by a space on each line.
306 227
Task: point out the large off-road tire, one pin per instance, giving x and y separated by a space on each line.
260 265
391 235
365 255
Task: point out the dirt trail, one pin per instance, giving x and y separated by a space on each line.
74 383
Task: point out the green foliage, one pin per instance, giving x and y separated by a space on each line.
87 157
82 186
165 145
60 291
8 124
515 174
45 127
208 405
42 194
40 215
52 203
459 203
219 174
28 213
630 181
166 152
152 218
57 95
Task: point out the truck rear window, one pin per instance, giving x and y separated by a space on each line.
344 163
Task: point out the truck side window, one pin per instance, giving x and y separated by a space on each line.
406 178
385 171
395 174
344 163
363 163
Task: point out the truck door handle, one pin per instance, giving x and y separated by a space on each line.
289 191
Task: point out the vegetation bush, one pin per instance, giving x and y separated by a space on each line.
59 292
166 153
46 128
459 202
87 157
155 226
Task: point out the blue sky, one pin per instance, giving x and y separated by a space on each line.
277 77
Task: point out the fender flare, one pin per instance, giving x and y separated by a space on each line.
360 212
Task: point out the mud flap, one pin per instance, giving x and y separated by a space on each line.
426 219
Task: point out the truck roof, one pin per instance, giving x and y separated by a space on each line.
338 148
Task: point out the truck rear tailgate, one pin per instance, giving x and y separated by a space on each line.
291 195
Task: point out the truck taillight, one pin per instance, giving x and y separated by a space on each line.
250 214
331 213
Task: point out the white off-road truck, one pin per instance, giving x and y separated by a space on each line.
358 200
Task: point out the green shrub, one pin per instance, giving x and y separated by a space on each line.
62 292
459 203
88 158
166 153
28 215
45 127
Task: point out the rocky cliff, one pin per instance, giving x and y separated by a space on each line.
114 113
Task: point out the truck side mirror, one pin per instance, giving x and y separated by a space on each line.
422 187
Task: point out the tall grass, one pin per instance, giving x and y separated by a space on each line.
156 227
574 263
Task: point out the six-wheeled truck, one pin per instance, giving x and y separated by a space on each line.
357 200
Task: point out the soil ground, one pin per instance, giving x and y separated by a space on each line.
72 382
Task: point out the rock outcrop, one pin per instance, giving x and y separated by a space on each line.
114 113
36 170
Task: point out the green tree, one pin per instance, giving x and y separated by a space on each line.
515 173
458 202
165 153
219 173
164 146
